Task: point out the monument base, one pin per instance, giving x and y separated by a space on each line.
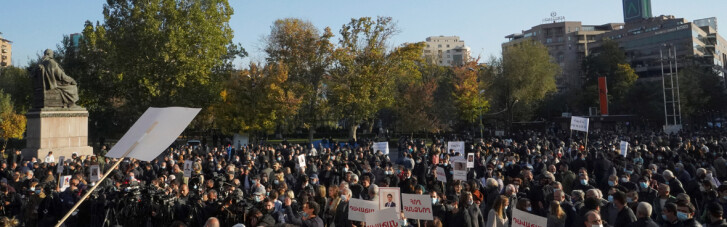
63 131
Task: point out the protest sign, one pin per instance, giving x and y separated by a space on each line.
471 160
381 146
389 197
579 124
59 166
358 208
460 168
456 146
65 182
95 173
624 148
441 175
525 219
301 161
188 168
383 218
417 206
155 130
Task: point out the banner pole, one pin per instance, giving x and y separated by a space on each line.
108 172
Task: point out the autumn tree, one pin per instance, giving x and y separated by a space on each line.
254 101
307 53
12 124
469 97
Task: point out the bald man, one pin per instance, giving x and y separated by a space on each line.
212 222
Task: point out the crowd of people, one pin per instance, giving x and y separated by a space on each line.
663 180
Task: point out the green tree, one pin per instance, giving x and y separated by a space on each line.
156 53
701 93
360 83
16 83
307 53
254 101
524 76
12 124
608 61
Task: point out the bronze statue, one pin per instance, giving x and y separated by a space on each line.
52 87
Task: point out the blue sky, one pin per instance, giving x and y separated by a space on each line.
36 25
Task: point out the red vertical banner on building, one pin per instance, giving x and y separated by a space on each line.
603 95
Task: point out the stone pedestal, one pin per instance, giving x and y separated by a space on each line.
61 130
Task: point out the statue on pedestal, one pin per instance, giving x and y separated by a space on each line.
51 86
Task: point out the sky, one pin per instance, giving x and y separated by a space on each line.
36 25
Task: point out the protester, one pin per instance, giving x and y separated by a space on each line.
662 180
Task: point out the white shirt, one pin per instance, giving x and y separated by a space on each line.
50 159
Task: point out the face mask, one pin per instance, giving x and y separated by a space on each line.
470 202
624 180
724 197
682 216
276 182
305 215
644 185
610 183
610 198
32 189
402 222
584 182
388 172
663 216
596 225
583 159
629 200
529 209
435 200
37 191
345 170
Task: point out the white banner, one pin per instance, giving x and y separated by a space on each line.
624 148
301 161
155 130
188 168
471 160
499 133
358 208
579 124
457 146
525 219
417 206
95 173
460 168
383 218
65 182
441 175
381 146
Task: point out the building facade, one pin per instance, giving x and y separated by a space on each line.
568 44
446 50
647 41
6 52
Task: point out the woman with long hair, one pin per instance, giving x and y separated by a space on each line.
556 216
497 216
